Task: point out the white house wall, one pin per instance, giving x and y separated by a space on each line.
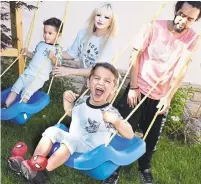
131 16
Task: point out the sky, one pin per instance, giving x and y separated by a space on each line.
131 16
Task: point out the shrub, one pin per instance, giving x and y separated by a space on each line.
174 126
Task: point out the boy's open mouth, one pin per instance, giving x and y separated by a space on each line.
99 91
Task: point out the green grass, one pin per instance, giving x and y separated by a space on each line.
173 163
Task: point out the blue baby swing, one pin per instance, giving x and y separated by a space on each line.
102 161
20 112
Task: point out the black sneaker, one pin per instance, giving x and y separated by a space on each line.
4 106
113 179
146 176
14 164
34 177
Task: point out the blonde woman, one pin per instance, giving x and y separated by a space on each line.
93 44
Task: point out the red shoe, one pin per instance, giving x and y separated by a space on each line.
18 153
38 162
20 149
32 169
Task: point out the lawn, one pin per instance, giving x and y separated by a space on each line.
173 163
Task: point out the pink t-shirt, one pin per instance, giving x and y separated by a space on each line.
160 50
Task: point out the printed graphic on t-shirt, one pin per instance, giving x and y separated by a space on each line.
165 51
90 55
46 52
80 101
109 126
92 126
58 51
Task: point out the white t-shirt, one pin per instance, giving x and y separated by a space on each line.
88 124
89 55
41 62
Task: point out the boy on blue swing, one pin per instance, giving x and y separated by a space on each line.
93 120
31 80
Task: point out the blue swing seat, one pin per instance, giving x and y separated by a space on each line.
19 113
102 161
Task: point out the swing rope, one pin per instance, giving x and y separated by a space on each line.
153 20
27 42
64 20
114 62
159 80
46 61
131 65
128 71
29 35
66 113
188 59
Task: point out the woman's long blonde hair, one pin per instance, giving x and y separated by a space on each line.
91 26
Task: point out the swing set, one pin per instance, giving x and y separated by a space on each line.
19 112
102 161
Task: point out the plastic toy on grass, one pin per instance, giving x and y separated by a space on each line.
19 113
101 162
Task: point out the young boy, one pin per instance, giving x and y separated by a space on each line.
31 80
93 120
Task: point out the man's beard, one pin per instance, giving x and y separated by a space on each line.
177 28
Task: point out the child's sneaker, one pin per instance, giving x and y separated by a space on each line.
27 171
113 179
20 149
18 153
14 164
4 106
32 169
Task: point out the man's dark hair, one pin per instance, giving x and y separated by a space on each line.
106 66
54 22
194 4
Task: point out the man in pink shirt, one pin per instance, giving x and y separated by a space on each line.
159 48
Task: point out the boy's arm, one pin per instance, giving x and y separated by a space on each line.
29 55
26 53
124 129
68 98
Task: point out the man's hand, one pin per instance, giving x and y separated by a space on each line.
134 96
59 71
165 104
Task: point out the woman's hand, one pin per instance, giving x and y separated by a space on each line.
59 71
